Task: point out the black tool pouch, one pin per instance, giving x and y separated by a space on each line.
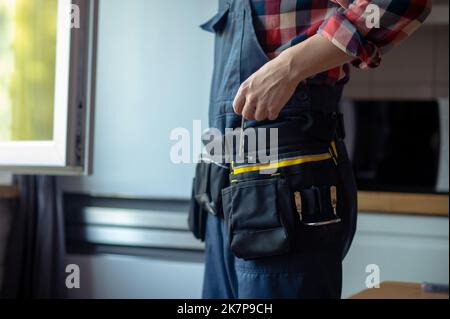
200 201
255 228
206 198
294 209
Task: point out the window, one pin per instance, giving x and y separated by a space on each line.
47 63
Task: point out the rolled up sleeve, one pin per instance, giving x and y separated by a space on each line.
353 28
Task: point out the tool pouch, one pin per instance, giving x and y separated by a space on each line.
294 209
206 197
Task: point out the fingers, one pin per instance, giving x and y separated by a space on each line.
254 111
239 100
250 107
248 112
245 104
272 115
261 114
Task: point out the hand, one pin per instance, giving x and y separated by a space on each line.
264 94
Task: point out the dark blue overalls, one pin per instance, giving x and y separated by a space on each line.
308 122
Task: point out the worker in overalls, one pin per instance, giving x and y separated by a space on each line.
281 229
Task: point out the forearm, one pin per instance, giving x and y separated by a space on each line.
311 57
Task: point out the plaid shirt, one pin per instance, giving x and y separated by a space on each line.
280 24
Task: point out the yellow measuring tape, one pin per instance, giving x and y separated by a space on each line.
283 163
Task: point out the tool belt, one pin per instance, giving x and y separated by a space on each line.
289 204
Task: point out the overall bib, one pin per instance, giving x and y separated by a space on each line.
269 236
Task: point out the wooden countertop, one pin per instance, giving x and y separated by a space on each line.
403 203
397 290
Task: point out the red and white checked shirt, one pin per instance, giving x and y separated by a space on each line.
347 24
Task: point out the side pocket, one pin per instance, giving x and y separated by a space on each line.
315 203
255 229
201 203
197 216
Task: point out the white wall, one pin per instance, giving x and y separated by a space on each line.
154 74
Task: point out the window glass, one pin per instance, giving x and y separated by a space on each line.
27 69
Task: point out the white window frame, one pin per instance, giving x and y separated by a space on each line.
70 150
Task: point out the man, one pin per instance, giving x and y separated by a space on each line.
283 64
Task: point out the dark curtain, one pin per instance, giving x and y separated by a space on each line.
35 257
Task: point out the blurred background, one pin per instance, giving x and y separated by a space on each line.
125 224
